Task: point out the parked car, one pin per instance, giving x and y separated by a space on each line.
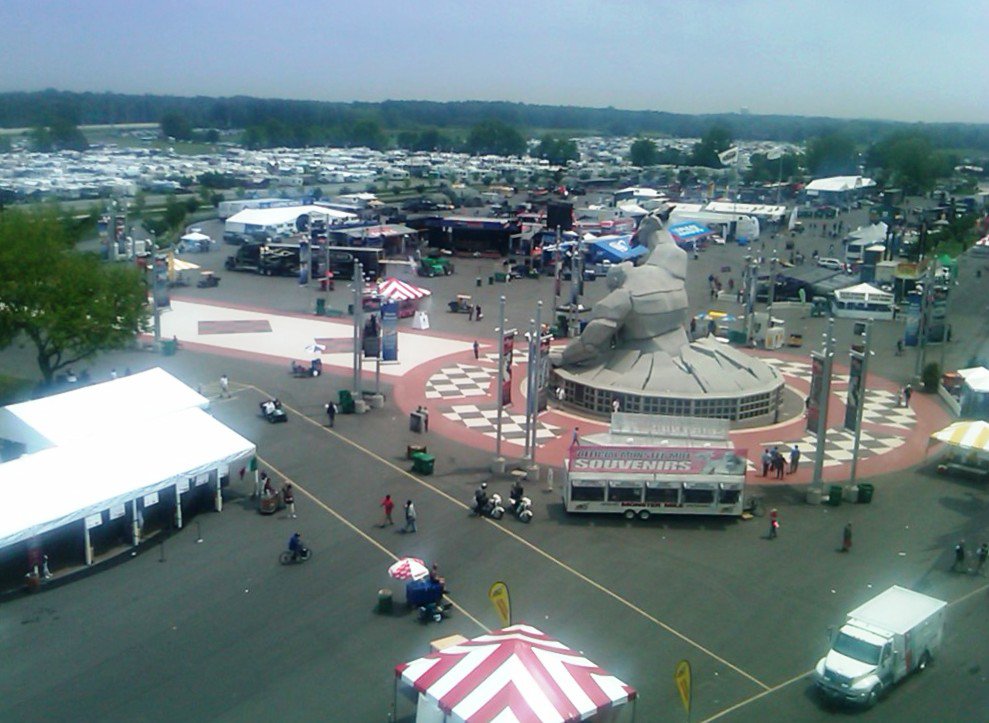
831 264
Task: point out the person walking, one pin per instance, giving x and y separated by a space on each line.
846 538
288 496
774 524
331 413
616 406
794 458
387 505
410 517
477 313
981 554
959 557
907 393
477 350
767 460
224 385
470 312
575 438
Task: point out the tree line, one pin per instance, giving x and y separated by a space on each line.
301 122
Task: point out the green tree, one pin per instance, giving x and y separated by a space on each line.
70 305
5 146
495 138
909 161
557 150
177 126
833 154
716 140
643 153
763 169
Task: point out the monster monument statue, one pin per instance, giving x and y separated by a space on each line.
635 348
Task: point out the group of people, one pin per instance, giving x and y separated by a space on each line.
773 460
981 554
387 505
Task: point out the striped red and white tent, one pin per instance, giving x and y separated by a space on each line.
515 674
398 290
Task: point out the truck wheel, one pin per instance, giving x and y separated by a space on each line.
875 694
925 660
629 514
644 515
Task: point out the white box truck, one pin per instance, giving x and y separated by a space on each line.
881 642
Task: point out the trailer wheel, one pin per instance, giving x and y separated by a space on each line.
644 515
629 514
925 660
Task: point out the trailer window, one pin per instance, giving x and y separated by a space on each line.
624 492
698 497
665 495
587 493
729 497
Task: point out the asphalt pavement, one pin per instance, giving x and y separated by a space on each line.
217 630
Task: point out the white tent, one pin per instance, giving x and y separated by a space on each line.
97 409
195 237
61 485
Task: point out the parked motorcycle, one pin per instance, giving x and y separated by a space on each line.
522 508
434 611
492 508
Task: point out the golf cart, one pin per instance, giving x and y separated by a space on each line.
435 266
462 304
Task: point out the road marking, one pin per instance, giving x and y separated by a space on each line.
539 551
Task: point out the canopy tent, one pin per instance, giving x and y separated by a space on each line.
970 436
977 378
196 237
614 249
115 465
398 290
97 409
515 674
688 233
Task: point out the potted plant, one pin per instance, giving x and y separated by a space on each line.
930 377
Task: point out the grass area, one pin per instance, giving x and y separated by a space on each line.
14 389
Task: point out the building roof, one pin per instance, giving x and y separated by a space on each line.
287 214
840 184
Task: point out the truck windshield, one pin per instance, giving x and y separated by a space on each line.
857 649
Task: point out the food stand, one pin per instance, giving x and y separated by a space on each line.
968 448
404 293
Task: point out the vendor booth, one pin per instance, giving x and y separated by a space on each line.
974 393
862 301
404 293
515 674
967 448
195 242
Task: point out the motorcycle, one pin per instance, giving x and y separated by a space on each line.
522 509
290 558
272 411
434 611
492 508
301 371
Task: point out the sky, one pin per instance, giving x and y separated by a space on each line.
881 59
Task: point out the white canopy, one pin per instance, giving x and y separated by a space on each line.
864 292
195 236
976 378
119 463
97 409
972 436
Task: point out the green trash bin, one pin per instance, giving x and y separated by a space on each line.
865 492
423 463
834 495
320 307
346 401
385 606
168 347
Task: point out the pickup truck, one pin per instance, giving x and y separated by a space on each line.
882 641
267 259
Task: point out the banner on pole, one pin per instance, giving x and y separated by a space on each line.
498 595
856 386
508 347
542 373
389 330
681 676
911 332
814 396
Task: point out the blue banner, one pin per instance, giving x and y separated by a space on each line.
911 333
389 329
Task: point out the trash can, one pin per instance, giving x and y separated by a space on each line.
413 449
350 309
168 347
834 495
384 601
491 281
477 282
865 492
415 424
320 307
346 401
423 463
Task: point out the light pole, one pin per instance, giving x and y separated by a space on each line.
358 322
498 464
817 485
154 290
861 389
772 287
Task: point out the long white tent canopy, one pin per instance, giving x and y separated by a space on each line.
118 453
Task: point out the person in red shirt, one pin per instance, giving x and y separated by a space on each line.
387 504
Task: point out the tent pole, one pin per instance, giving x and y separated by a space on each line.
218 500
135 528
178 507
89 548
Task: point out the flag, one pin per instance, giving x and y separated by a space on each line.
498 595
729 156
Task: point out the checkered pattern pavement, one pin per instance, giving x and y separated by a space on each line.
802 370
484 420
881 407
838 446
463 380
519 356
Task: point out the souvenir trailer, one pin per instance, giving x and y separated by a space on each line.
655 480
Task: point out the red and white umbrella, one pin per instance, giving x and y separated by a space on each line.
409 568
392 288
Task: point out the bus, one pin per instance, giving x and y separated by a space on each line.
639 482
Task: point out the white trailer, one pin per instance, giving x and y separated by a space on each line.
882 641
